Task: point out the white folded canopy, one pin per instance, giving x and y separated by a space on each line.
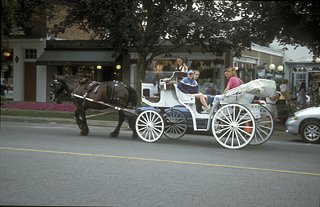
258 87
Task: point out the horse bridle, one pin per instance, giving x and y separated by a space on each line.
59 91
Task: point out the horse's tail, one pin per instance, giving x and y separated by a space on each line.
133 98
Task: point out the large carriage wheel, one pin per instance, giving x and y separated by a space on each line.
175 124
149 126
264 127
233 126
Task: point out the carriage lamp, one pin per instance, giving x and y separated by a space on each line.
99 67
118 67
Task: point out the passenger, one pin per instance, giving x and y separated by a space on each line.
190 86
231 74
206 97
234 81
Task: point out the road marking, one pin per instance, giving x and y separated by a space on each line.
160 160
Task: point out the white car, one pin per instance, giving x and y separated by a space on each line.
305 122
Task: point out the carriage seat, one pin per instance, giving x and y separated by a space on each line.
184 97
167 84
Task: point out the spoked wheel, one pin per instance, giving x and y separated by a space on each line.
175 124
149 126
264 127
233 126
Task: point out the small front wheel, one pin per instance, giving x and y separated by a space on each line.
175 124
149 126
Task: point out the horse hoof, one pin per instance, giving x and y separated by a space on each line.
112 134
84 132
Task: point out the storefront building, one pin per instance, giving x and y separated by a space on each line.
25 80
35 61
256 64
308 71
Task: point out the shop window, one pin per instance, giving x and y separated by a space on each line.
299 77
31 54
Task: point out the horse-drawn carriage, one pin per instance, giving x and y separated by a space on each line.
236 122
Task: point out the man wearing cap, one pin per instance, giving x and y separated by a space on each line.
190 86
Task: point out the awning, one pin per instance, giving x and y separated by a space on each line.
75 57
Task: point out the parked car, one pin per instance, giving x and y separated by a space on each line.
305 122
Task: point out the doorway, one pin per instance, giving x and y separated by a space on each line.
30 81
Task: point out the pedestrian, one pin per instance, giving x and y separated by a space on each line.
271 105
317 95
3 86
302 99
285 94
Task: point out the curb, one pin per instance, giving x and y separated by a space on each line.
60 121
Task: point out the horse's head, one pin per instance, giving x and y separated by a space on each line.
62 87
58 90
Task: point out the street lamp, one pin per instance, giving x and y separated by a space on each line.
280 68
272 66
275 73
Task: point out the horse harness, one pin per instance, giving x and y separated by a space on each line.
112 97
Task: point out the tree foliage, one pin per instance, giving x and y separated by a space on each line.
8 9
149 25
291 22
16 15
216 26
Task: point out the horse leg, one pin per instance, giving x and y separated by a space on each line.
115 133
132 124
81 121
77 117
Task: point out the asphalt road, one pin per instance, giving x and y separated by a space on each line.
51 164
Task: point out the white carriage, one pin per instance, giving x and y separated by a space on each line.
236 122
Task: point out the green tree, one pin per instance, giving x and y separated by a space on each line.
148 26
216 26
8 10
16 15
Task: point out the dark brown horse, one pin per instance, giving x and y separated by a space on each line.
114 93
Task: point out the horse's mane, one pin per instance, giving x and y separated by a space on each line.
68 77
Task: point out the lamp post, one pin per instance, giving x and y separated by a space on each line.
270 72
275 73
272 67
